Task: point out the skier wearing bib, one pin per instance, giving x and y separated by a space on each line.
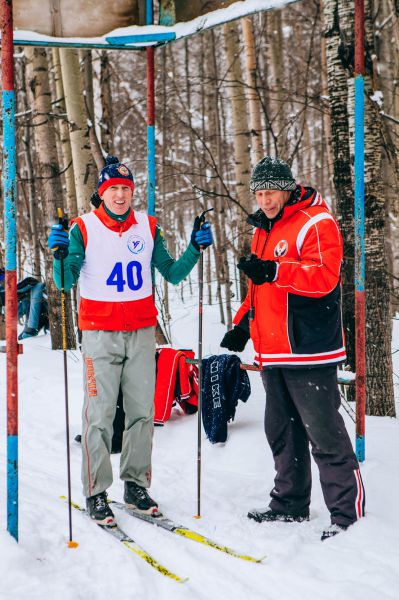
111 251
292 313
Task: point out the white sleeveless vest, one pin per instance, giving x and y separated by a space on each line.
117 267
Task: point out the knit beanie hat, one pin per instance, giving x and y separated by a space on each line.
114 173
272 174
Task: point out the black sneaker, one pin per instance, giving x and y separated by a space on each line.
334 529
99 510
137 498
271 515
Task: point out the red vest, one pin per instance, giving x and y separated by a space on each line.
116 316
176 381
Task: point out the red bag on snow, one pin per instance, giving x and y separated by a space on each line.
177 381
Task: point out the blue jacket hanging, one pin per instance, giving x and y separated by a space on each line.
223 384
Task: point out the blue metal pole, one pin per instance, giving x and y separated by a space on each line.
10 233
360 299
150 116
9 183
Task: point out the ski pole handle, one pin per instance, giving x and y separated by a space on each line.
62 220
202 216
202 221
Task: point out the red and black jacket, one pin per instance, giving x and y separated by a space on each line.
297 318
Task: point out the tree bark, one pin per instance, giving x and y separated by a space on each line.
87 76
241 143
31 188
83 166
379 376
277 64
65 142
255 121
343 184
46 152
106 123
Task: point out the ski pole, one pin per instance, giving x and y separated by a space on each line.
64 222
200 303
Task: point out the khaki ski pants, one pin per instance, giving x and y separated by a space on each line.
111 359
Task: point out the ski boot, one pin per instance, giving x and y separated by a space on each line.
137 498
98 509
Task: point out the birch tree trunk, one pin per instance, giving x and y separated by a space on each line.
88 95
106 123
326 137
221 256
343 184
277 57
83 166
46 152
379 376
65 143
386 35
255 121
31 188
242 165
339 29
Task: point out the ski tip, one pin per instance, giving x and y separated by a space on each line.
72 544
260 560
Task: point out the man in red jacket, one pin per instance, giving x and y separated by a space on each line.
292 313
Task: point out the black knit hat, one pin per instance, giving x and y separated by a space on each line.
272 174
114 173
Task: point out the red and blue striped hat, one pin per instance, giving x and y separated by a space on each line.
114 173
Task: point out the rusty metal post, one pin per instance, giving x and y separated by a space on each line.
150 115
360 301
10 234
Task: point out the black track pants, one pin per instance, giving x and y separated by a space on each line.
302 407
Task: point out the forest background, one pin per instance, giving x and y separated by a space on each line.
277 83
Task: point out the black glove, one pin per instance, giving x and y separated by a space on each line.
259 271
235 339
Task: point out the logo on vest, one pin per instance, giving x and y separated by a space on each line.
281 248
136 244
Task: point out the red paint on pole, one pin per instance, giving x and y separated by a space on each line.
360 340
7 80
359 37
7 67
12 352
360 301
150 86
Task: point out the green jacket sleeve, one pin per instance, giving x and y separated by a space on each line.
73 262
172 270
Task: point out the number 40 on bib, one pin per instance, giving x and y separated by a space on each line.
133 279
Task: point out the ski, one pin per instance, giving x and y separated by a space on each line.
160 520
129 542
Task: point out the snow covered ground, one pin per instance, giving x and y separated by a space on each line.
361 564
